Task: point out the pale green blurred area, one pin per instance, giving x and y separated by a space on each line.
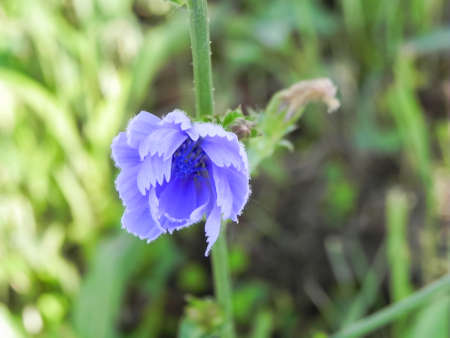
72 72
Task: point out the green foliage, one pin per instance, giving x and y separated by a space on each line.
263 325
370 288
397 244
397 210
71 74
238 260
341 194
10 325
116 262
432 320
397 310
247 298
231 116
203 319
69 80
192 278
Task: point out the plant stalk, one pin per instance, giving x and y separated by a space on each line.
201 57
201 60
222 282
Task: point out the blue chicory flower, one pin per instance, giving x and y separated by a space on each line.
175 172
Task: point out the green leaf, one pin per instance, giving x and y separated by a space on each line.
433 320
231 116
396 310
369 291
116 261
246 298
188 329
263 325
397 209
286 144
193 278
203 318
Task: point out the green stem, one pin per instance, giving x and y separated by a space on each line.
201 60
201 57
394 311
222 283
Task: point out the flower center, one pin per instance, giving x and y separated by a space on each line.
188 160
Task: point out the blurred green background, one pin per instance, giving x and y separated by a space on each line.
353 219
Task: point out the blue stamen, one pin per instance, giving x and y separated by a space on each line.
188 160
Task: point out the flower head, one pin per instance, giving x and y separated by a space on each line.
175 172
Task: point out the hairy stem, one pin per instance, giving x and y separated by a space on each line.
222 283
201 60
201 56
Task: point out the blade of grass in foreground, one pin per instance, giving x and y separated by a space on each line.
397 214
394 311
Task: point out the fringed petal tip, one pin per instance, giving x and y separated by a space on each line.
212 228
154 171
140 127
122 154
162 142
224 153
140 224
177 117
205 129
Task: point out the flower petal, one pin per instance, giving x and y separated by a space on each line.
203 203
240 189
212 228
153 202
163 142
140 127
223 190
126 185
224 152
123 155
204 194
154 170
179 118
171 224
178 199
244 158
205 129
139 222
232 189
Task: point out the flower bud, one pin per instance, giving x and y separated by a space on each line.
301 93
242 128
